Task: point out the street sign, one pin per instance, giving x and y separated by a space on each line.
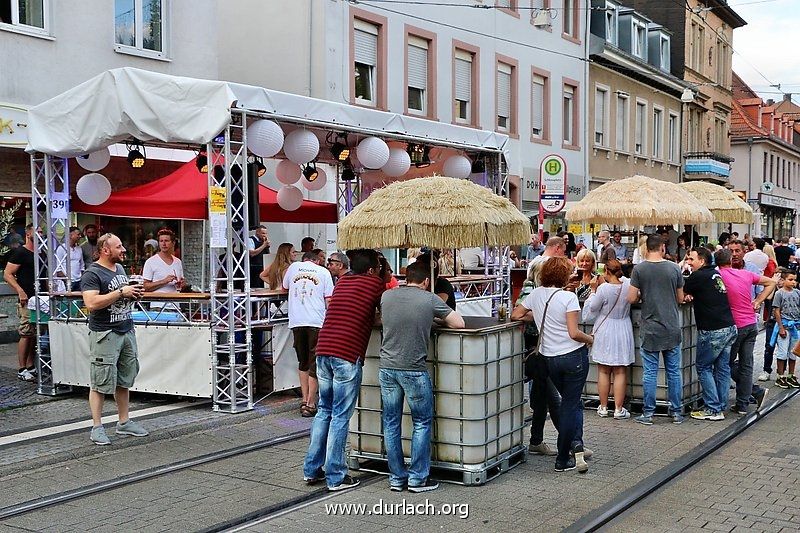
552 184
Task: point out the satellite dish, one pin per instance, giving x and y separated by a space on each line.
767 187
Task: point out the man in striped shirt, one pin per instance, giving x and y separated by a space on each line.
341 347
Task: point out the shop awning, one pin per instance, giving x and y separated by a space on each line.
183 195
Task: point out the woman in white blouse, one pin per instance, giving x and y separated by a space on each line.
563 345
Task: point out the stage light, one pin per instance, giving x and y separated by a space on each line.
478 167
340 151
258 165
348 174
202 162
136 157
420 155
310 172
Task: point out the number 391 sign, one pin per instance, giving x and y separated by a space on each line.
553 184
59 205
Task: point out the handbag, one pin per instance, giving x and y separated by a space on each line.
529 360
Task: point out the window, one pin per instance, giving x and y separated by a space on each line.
569 17
720 134
611 23
722 63
504 96
623 122
674 138
417 64
639 41
139 26
463 66
697 48
766 165
540 90
27 15
694 128
665 53
365 42
658 133
640 133
601 116
569 115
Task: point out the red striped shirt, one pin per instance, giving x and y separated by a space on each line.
350 317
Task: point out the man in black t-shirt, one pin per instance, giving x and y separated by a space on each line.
112 341
20 275
716 332
783 254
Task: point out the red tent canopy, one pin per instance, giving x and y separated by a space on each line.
184 195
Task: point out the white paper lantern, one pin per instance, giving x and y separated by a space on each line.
264 138
287 172
373 152
301 146
93 189
318 183
457 166
290 198
398 164
95 161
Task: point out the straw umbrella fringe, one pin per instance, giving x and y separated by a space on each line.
639 201
724 204
437 211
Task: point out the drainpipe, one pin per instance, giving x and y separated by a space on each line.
750 174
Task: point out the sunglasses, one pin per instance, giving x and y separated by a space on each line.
331 261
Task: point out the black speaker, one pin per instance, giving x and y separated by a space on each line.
253 205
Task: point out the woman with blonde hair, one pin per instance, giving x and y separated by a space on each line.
273 274
772 263
641 251
582 279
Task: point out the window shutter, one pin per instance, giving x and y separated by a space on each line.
417 67
599 111
504 90
622 127
365 38
463 80
537 101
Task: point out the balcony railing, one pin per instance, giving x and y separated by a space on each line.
709 164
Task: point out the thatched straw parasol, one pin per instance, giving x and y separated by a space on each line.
639 201
724 204
437 211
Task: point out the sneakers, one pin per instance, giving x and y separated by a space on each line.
131 428
428 486
580 460
99 437
26 375
316 478
792 381
565 467
621 414
396 488
706 414
739 410
602 411
761 397
347 483
541 449
780 381
763 376
678 418
646 420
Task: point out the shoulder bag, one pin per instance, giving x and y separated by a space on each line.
597 326
528 361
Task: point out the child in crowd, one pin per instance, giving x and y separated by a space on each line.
786 307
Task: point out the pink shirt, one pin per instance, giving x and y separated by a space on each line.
739 286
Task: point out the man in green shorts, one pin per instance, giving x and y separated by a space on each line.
112 342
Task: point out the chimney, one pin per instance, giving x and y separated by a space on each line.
787 97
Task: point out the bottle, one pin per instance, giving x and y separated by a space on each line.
502 313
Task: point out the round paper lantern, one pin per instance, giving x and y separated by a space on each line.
318 183
398 164
287 172
290 197
301 146
94 161
457 166
373 152
264 138
93 189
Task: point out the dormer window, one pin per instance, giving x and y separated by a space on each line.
665 53
611 23
639 40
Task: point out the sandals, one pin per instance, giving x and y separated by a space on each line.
308 411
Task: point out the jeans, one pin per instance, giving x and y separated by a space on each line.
713 366
543 395
568 373
339 383
742 369
672 369
769 349
417 389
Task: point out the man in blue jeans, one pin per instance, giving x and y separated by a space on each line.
659 284
341 346
407 314
716 332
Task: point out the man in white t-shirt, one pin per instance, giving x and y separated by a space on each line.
471 257
757 257
76 265
310 286
554 247
163 272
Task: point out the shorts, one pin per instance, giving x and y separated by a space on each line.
114 362
783 348
305 345
25 328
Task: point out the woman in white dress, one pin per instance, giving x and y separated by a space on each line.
613 334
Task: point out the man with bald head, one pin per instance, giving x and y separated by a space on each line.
555 247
